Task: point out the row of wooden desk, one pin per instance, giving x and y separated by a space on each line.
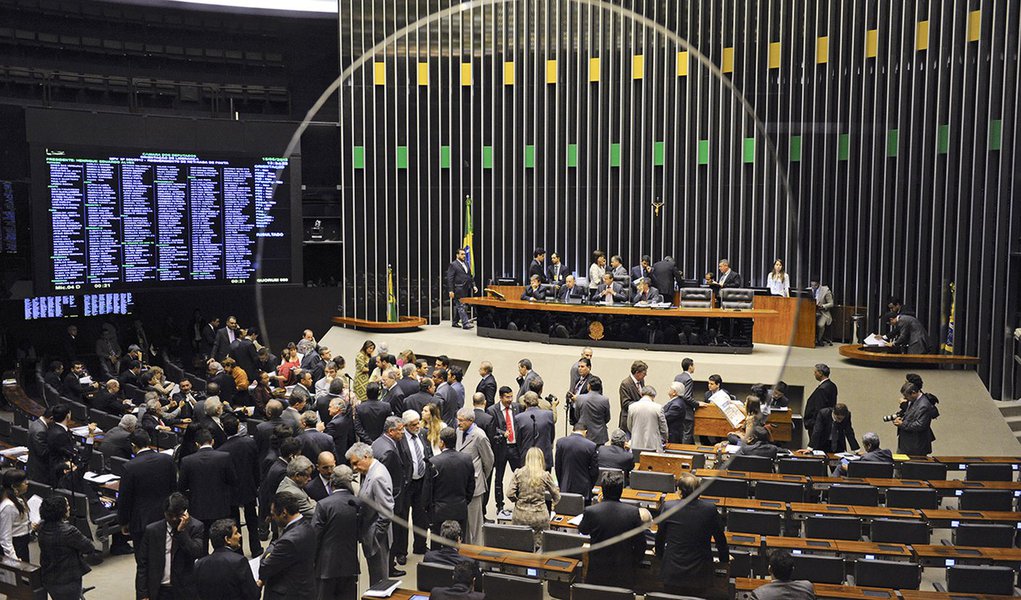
742 588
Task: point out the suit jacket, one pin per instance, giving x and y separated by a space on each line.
785 590
475 444
638 272
370 416
208 476
116 442
487 386
263 436
459 279
536 268
458 591
524 383
688 396
764 449
531 293
418 400
276 473
376 490
225 575
652 295
227 386
615 457
445 555
109 403
341 429
534 428
151 556
915 436
61 553
244 454
593 412
38 453
389 452
500 422
664 275
316 488
336 524
557 274
614 565
565 293
306 505
148 480
59 445
911 336
878 455
486 422
208 333
395 398
823 303
243 351
449 486
409 387
829 436
682 541
733 280
675 412
619 295
315 442
576 466
629 394
73 387
288 566
824 396
221 344
647 424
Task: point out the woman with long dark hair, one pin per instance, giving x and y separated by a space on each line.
62 550
778 282
362 362
15 528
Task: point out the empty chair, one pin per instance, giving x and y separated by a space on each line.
923 470
604 470
696 298
168 439
432 575
833 528
986 500
899 531
809 467
19 436
819 569
509 537
755 464
554 541
887 574
570 504
5 429
748 521
989 472
981 534
736 298
79 412
912 498
117 465
858 495
778 490
980 580
585 591
868 468
511 587
741 562
726 488
20 419
652 481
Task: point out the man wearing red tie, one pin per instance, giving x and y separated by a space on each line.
505 448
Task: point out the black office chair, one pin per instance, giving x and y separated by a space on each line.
664 596
509 537
652 481
749 521
736 298
168 439
432 575
912 498
727 488
585 591
79 412
19 436
570 504
969 579
778 490
603 471
20 419
197 382
833 528
511 587
857 495
754 464
809 467
696 298
820 569
554 541
5 429
868 468
930 471
887 574
986 500
51 395
742 562
989 472
117 465
899 531
983 535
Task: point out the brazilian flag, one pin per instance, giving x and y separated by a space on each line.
391 296
469 230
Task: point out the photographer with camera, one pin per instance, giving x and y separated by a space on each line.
914 425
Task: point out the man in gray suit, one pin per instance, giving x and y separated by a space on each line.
781 567
525 377
117 441
647 422
471 440
823 304
593 411
299 473
377 497
336 524
911 336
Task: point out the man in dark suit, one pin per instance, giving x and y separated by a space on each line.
370 415
340 427
534 292
460 284
70 343
505 444
537 268
630 390
682 542
264 430
73 387
207 477
419 452
337 525
117 441
425 395
556 272
784 586
212 412
313 441
680 409
110 400
728 278
224 338
60 444
463 588
644 292
38 453
759 445
450 530
287 570
609 291
487 385
615 456
208 335
914 425
131 375
391 450
224 381
392 393
525 378
408 381
571 290
244 353
449 484
225 574
777 397
665 276
534 428
824 396
576 465
184 536
319 486
592 411
616 564
911 335
276 472
832 427
244 454
870 452
641 270
147 482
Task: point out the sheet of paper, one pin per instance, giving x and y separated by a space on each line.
728 407
732 448
15 451
34 502
576 520
253 564
100 479
875 340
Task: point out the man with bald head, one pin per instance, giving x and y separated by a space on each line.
320 487
264 430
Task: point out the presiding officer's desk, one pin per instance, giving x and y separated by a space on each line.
614 326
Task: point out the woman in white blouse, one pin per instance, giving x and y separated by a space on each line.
778 282
597 269
15 527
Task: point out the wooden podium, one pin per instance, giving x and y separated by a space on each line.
710 422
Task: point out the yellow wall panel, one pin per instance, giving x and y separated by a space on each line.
551 71
466 73
774 55
822 49
423 73
594 69
682 63
922 35
727 65
379 73
974 25
872 43
638 66
509 73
